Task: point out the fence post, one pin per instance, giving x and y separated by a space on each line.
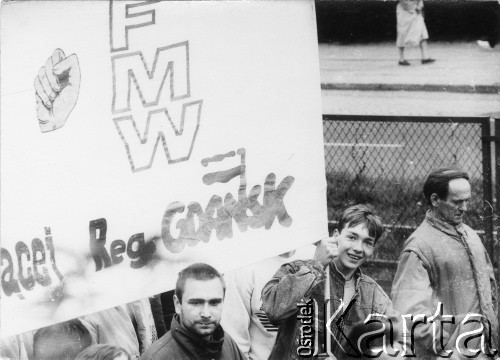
496 186
496 253
487 187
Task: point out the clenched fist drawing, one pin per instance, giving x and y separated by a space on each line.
57 85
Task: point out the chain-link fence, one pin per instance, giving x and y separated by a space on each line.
384 161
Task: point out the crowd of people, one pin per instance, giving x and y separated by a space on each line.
443 301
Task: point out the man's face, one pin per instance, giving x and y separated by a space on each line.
452 208
201 307
355 245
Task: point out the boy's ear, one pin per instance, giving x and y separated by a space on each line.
336 233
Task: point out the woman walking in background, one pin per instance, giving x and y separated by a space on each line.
411 29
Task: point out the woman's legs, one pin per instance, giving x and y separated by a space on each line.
425 57
402 60
401 54
423 49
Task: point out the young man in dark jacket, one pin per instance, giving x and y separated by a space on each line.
195 332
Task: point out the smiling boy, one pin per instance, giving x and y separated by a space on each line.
353 295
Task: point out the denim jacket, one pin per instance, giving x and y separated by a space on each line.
301 282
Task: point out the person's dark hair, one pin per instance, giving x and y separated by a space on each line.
438 180
361 214
102 352
61 341
198 271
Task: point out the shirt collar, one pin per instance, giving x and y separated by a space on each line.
358 274
441 225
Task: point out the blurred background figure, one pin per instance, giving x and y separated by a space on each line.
168 308
243 317
115 327
143 319
62 341
130 326
411 29
104 352
19 347
158 316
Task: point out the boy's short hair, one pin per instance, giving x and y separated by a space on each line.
361 214
198 271
61 341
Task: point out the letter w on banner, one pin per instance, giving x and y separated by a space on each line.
140 137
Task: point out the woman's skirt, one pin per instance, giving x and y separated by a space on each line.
411 28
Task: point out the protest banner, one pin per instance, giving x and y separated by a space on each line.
140 137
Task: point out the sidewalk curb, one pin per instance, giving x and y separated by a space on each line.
464 89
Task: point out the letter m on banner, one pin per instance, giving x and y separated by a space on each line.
144 120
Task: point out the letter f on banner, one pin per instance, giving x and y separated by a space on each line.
127 15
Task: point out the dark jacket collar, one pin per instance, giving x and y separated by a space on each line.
193 345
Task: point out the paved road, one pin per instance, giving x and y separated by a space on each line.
409 103
456 64
464 81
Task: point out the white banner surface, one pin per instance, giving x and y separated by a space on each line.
140 137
